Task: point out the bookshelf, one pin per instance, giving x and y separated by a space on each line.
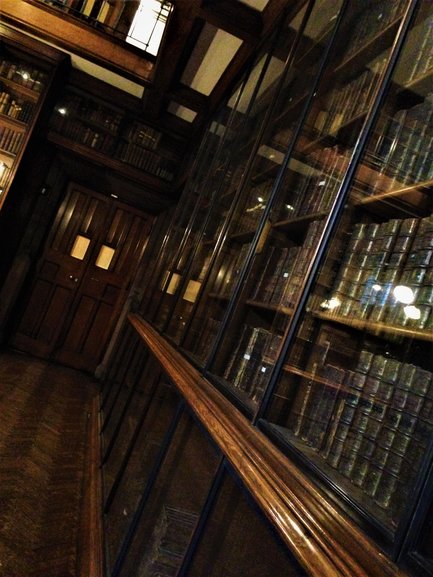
24 81
89 124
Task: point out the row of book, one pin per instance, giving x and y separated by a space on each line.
4 174
16 107
169 542
403 152
350 100
82 134
387 274
10 140
282 276
70 126
251 362
143 135
421 58
20 73
144 159
85 110
375 17
373 424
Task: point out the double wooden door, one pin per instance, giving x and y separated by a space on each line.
90 257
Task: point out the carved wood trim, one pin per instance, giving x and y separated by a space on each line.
90 546
321 537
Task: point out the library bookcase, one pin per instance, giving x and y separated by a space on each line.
269 407
27 71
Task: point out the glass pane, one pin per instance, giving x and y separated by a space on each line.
238 541
126 390
247 210
425 545
355 394
105 257
129 425
292 233
277 252
133 482
118 365
193 198
173 509
80 246
221 184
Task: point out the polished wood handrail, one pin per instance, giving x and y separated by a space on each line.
322 538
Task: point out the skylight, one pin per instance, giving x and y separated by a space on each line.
149 23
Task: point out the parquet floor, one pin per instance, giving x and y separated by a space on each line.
43 434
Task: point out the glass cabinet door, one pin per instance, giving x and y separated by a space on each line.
172 510
167 274
243 236
236 540
136 467
120 436
354 396
306 189
224 181
422 555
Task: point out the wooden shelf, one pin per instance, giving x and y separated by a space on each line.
299 224
13 122
421 85
276 308
24 90
368 51
219 296
7 153
376 328
101 159
310 376
412 200
332 137
243 237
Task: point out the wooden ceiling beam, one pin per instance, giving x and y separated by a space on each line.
271 14
234 17
176 38
189 97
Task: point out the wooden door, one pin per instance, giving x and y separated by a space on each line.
82 279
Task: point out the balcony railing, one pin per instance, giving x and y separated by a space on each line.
137 22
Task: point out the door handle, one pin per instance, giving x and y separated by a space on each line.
75 279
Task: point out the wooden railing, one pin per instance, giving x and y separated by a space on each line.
320 536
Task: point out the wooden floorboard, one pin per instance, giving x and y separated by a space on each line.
45 416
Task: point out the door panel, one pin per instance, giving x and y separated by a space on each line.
93 250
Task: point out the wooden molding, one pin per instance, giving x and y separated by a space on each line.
90 546
322 538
